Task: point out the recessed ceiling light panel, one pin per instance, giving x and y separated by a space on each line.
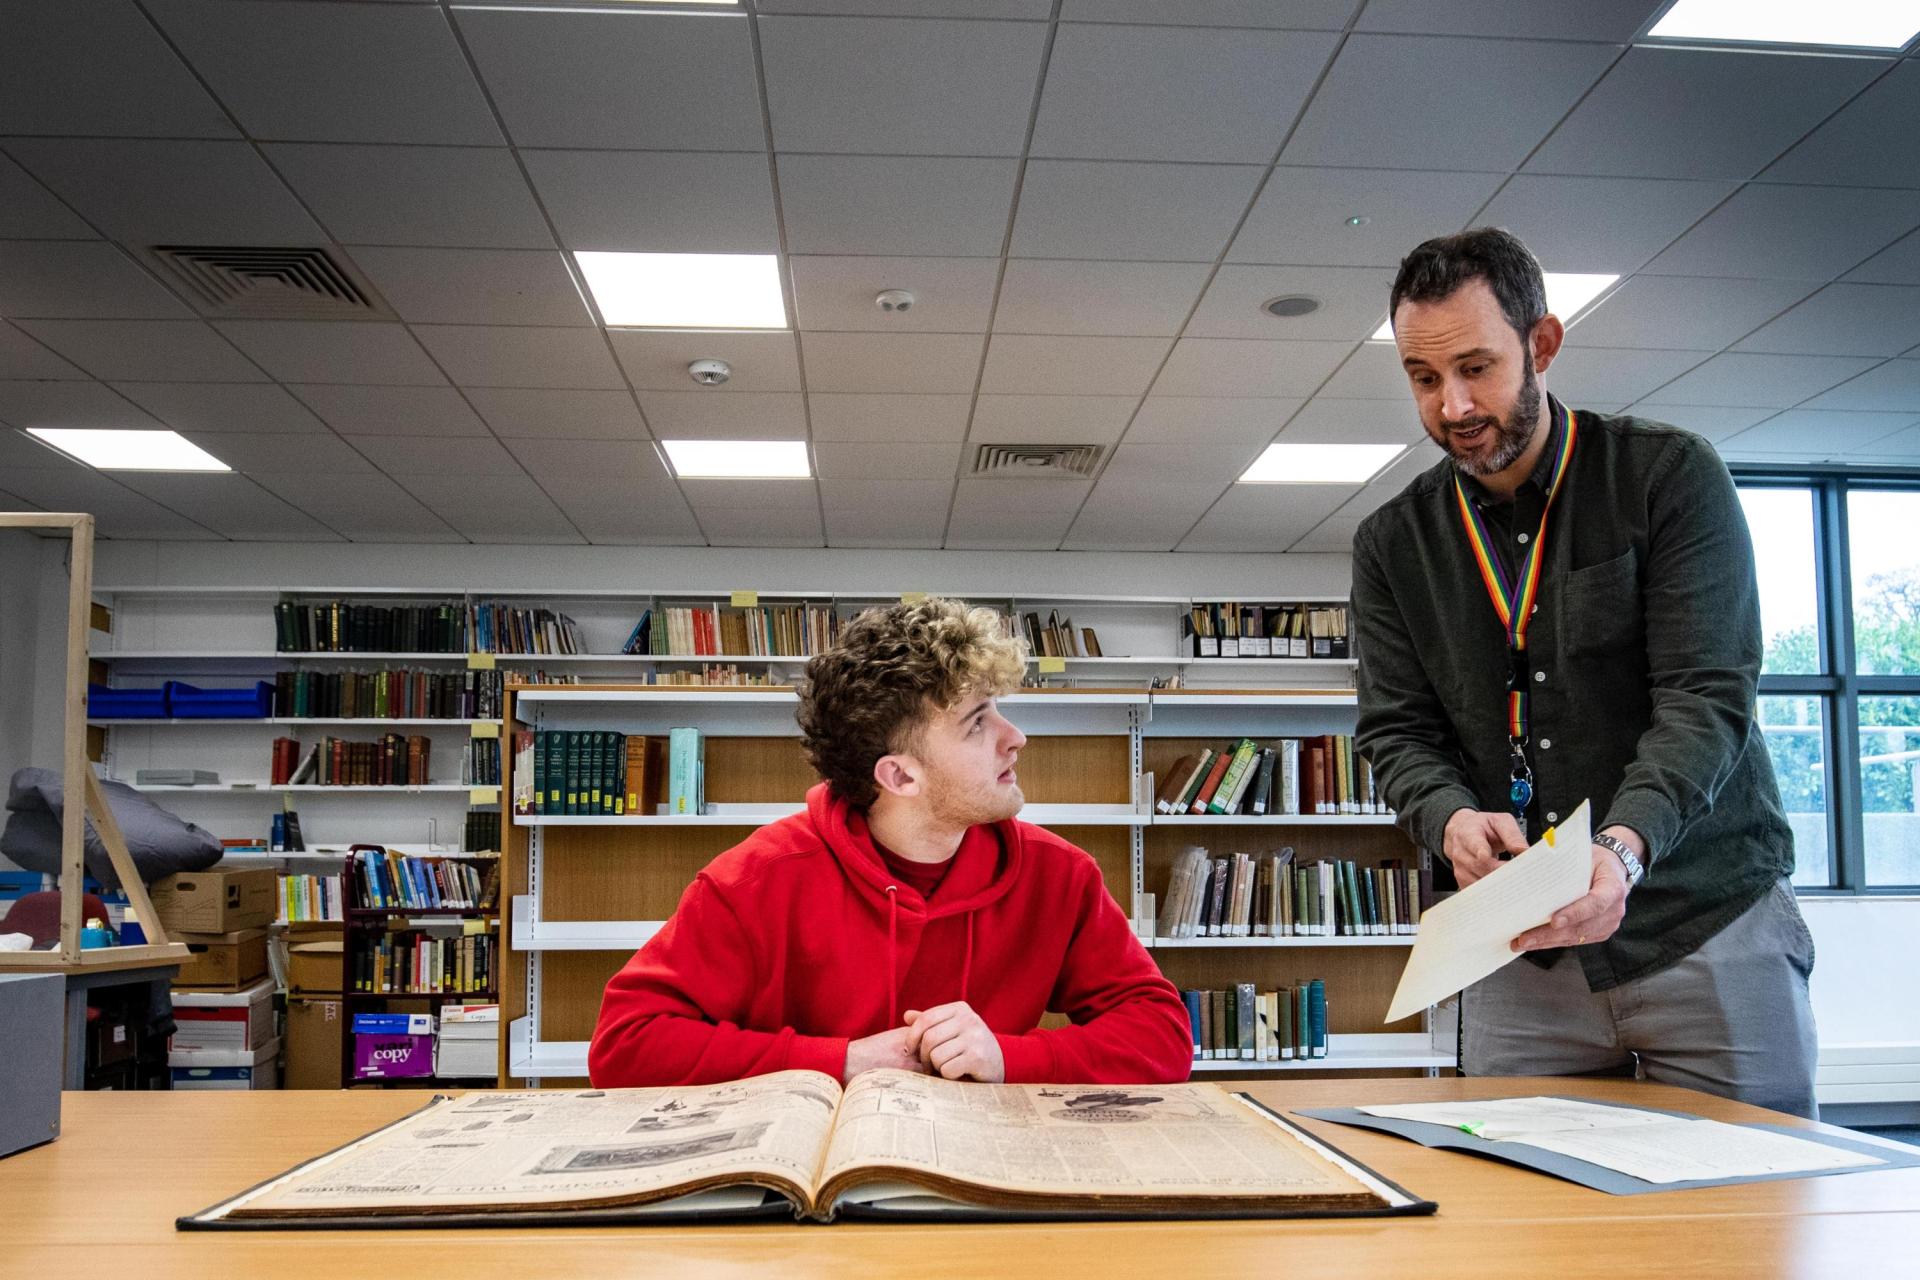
738 459
1321 463
1851 24
1568 295
116 450
686 290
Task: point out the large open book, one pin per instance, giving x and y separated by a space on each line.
890 1144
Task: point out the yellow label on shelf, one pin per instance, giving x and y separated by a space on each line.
745 599
1052 666
483 795
480 662
913 597
485 728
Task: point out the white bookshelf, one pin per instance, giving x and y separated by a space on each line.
1252 943
1386 1051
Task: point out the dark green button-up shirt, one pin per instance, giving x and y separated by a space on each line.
1644 659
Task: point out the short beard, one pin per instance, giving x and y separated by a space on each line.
1511 435
983 806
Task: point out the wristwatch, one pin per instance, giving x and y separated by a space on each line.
1636 870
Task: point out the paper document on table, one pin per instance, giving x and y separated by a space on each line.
1469 936
1696 1150
1520 1117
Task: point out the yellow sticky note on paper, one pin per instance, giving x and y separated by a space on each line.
485 728
480 662
483 795
913 597
745 599
1052 666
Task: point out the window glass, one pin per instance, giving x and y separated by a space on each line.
1781 522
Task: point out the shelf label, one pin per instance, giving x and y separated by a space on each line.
485 728
483 795
746 599
913 597
1052 666
480 662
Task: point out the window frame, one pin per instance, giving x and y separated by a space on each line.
1838 684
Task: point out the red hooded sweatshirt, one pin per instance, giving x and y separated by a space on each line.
797 940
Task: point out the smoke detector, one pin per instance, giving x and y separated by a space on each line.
710 373
891 300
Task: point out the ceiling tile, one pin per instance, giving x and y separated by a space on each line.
334 351
1136 212
1612 21
1297 15
921 363
1900 449
1372 372
1791 233
888 417
1699 113
1353 301
493 509
320 453
897 528
98 67
79 279
1607 377
1219 464
146 350
1325 421
1819 432
118 511
1013 515
1845 320
1145 514
366 508
1246 367
1893 386
854 494
710 414
1334 535
1471 104
497 356
232 506
1144 299
1898 263
401 411
28 211
1575 224
643 81
1301 215
22 357
657 359
1867 143
1704 420
1175 93
467 197
223 406
68 404
950 295
475 286
743 495
21 452
303 69
657 201
1037 10
761 527
421 455
1265 517
177 193
864 460
1760 381
1027 364
1050 419
573 415
905 205
641 514
1685 311
1203 423
901 86
614 464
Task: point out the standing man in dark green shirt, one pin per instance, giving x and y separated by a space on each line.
1564 609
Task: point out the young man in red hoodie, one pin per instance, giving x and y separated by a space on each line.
906 919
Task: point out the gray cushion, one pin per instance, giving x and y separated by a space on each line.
160 843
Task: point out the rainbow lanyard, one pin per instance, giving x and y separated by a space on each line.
1514 603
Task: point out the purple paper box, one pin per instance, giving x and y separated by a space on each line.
388 1057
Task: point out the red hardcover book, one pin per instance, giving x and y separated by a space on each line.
1208 787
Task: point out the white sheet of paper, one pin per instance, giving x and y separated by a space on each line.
1519 1117
1469 936
1691 1150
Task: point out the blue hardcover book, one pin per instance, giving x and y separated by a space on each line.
1317 1015
1193 1017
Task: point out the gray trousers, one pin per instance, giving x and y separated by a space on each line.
1732 1018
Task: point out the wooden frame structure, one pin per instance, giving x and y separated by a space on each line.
84 796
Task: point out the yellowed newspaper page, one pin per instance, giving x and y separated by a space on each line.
1125 1141
567 1148
1470 935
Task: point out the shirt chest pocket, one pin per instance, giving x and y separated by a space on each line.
1601 607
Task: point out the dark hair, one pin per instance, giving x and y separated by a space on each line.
871 692
1441 265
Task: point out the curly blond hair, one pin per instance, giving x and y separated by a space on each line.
891 668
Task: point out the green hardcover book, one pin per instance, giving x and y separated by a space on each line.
1243 751
1302 1022
1246 1010
595 769
1369 889
555 752
1283 1021
619 798
572 783
540 772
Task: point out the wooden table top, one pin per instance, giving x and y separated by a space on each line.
128 1164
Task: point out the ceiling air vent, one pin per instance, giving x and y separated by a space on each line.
269 283
1069 460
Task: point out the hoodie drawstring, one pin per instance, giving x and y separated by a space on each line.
893 988
966 964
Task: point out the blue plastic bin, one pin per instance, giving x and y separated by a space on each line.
125 704
185 702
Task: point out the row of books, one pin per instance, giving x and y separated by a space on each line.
1269 895
393 693
337 626
423 964
395 880
1241 1022
767 631
311 898
502 628
1320 775
711 674
482 830
392 761
1057 639
1231 629
577 773
480 762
